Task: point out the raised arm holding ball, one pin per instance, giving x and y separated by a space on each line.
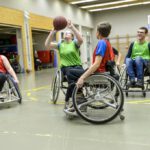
68 48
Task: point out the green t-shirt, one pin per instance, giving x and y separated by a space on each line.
141 50
69 54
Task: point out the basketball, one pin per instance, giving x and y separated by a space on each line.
59 23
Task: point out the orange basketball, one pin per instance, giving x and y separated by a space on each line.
59 23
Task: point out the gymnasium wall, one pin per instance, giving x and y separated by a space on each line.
125 23
51 8
39 41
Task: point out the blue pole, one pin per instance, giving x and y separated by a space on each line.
55 59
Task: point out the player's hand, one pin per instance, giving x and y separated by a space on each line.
118 64
69 24
17 81
80 82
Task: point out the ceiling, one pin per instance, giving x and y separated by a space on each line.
101 5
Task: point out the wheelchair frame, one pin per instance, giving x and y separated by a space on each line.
103 85
103 100
124 80
57 85
12 91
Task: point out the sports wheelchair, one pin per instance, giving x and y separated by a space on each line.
102 100
59 82
10 91
124 78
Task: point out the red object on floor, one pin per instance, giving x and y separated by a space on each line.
44 56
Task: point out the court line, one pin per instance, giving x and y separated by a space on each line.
81 138
37 89
28 94
48 86
33 98
138 101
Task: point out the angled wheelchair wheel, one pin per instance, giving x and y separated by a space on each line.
143 92
94 105
55 87
102 99
11 91
123 77
14 89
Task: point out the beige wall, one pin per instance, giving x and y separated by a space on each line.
41 13
125 22
51 8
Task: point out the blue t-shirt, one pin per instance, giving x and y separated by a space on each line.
101 48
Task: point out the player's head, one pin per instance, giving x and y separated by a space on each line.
68 35
103 29
142 33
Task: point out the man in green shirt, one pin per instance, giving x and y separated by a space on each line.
137 58
68 49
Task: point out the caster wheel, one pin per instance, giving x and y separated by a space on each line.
122 109
144 94
126 94
70 117
122 117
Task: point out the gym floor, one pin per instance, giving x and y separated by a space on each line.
37 124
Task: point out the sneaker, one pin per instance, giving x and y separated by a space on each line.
139 83
66 105
2 97
131 83
69 106
70 111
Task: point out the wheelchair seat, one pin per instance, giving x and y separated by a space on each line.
146 72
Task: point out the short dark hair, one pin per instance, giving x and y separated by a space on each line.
104 29
144 28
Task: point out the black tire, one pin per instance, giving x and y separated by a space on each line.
123 79
55 88
14 89
144 94
99 116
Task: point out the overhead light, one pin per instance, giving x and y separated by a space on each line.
146 2
83 1
109 3
115 7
